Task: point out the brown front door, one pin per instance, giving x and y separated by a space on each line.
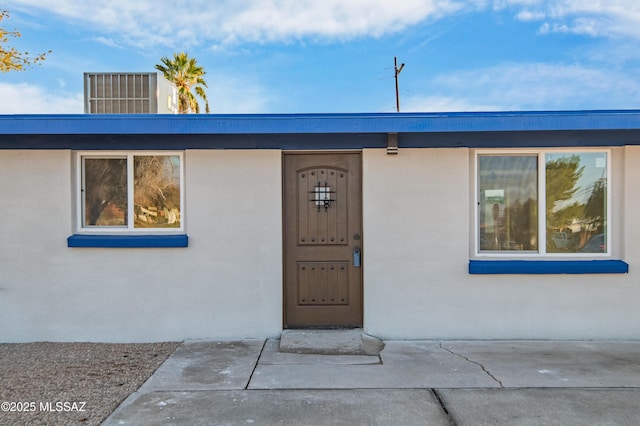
323 240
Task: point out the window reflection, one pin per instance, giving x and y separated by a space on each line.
156 191
576 208
105 192
508 202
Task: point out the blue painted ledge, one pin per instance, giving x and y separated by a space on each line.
128 241
548 267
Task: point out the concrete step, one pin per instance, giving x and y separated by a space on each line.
330 342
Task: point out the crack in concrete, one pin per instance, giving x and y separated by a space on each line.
443 406
255 366
473 362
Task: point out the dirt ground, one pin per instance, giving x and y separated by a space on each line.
72 383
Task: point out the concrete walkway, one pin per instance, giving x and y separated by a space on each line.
410 383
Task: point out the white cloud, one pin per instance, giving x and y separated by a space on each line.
590 27
149 22
532 86
226 95
597 18
527 15
29 99
187 23
107 41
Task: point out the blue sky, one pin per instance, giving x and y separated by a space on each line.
325 56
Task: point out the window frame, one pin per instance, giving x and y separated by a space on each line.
541 253
130 228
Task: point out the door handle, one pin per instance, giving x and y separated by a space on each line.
356 257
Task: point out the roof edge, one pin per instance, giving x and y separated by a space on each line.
320 123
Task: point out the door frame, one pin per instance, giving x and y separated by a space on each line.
284 227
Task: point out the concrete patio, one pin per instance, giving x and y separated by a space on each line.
410 382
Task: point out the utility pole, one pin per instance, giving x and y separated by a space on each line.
397 72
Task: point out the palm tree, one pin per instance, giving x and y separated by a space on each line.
186 75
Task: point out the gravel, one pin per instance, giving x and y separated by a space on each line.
72 383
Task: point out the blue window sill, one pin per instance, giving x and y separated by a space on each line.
128 241
548 267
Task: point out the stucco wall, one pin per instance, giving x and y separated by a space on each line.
417 236
227 283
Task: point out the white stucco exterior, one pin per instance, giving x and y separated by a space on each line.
227 283
418 230
417 233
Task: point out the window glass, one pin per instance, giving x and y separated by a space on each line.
156 196
576 202
508 202
130 191
105 192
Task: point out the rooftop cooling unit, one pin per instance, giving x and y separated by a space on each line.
128 93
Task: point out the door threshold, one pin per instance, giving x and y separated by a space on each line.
352 341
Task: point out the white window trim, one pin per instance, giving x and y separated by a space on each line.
542 228
129 229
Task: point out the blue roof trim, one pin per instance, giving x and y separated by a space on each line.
128 241
247 124
548 267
